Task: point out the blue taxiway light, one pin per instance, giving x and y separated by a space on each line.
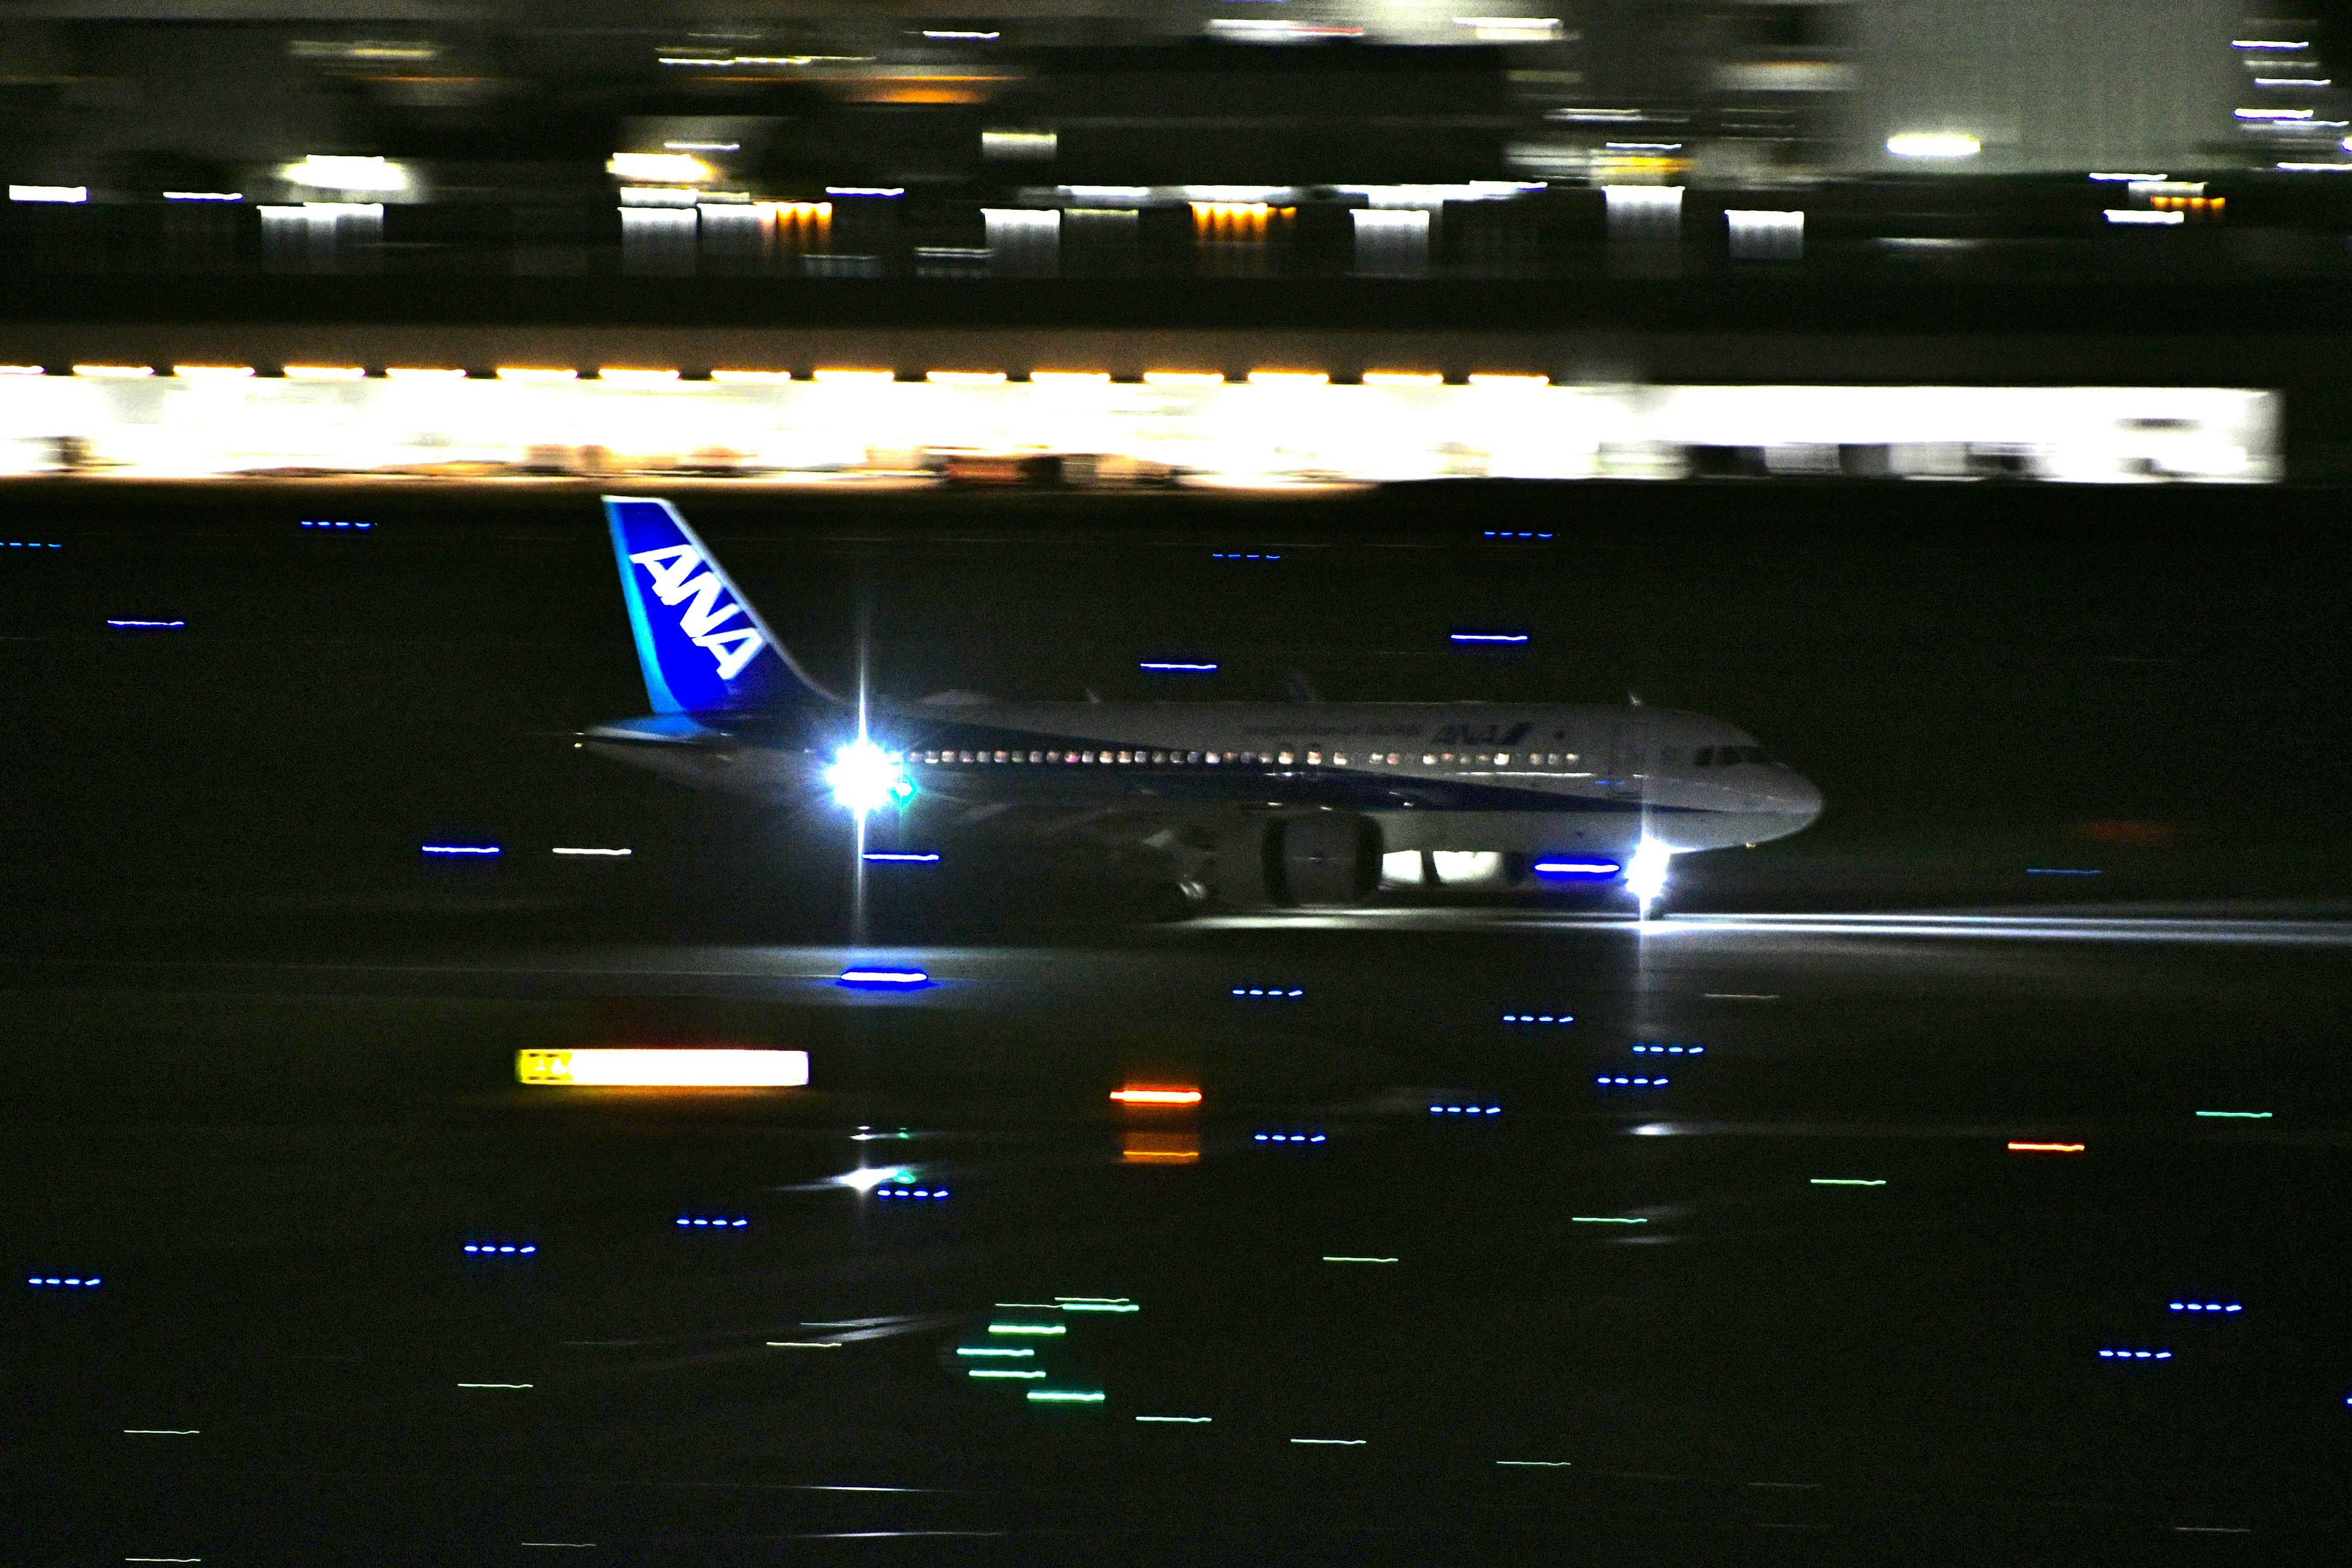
1240 555
1272 992
1636 1082
2061 871
1488 637
1670 1050
1539 1017
1173 666
31 544
2135 1355
129 625
1466 1110
2203 1307
721 1223
308 523
1506 534
910 1192
503 1249
1290 1137
459 849
1577 868
904 856
883 979
72 1280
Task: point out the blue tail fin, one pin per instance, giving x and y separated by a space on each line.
703 646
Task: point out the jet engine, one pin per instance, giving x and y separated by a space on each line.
1301 860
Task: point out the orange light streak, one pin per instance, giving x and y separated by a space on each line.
1137 1096
2017 1148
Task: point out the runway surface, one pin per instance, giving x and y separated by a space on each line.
1513 1300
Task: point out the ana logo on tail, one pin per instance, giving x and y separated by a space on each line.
674 583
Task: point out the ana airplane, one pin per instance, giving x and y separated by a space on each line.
1248 804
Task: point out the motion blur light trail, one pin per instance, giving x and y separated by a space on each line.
665 1068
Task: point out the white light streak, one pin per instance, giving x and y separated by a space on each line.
337 173
71 194
1933 144
659 168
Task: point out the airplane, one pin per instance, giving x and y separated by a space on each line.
1248 805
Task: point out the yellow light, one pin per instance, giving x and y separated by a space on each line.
424 372
1183 378
635 1067
325 373
212 372
23 370
1161 1148
1512 380
751 377
856 377
662 168
1137 1096
1403 378
637 377
114 372
1069 377
1289 378
535 372
965 378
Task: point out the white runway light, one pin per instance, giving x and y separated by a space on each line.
636 1067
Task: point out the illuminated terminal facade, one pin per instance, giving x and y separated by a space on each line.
1289 424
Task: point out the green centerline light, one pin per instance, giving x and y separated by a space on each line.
1003 1371
1027 1328
992 1349
1602 1219
2249 1115
1101 1307
1066 1395
1844 1182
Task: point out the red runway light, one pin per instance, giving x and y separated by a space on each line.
2017 1148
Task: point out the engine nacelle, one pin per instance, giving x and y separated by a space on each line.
1321 860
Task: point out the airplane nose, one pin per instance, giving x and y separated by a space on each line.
1800 800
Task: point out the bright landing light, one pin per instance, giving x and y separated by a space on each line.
627 1067
866 778
1645 874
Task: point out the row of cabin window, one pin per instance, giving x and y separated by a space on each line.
1281 759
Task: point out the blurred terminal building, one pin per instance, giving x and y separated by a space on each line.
1930 238
1076 137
